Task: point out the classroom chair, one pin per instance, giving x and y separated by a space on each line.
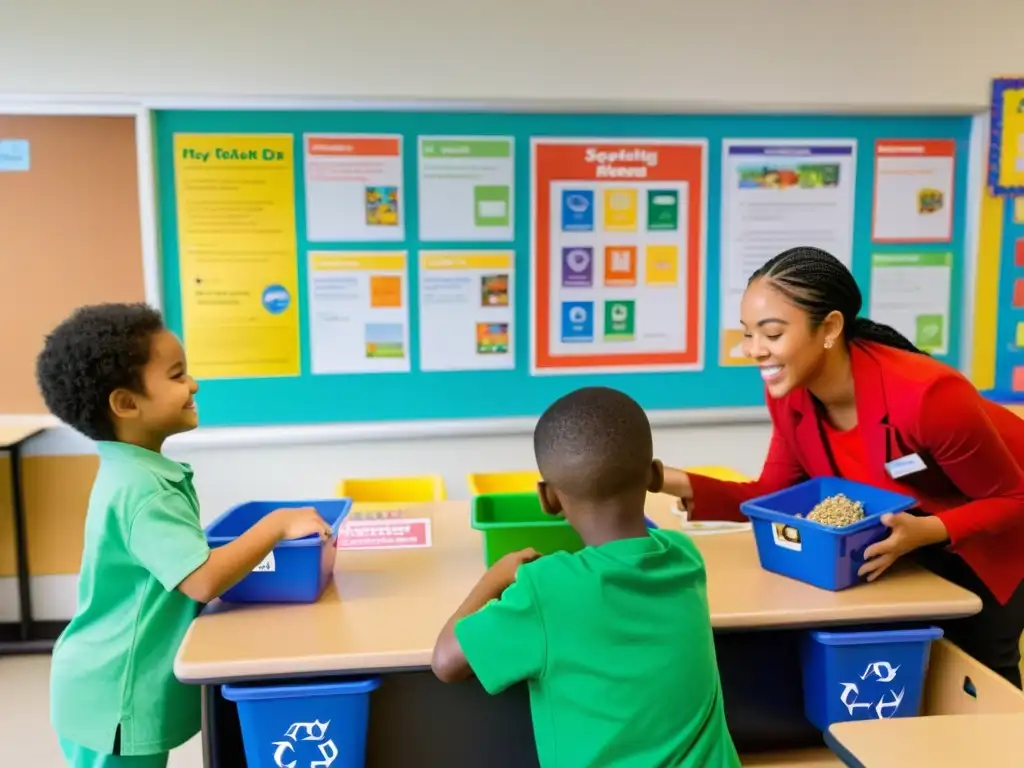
393 490
503 482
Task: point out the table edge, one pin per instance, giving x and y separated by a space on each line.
397 661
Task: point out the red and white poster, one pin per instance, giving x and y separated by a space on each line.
354 187
396 533
618 254
914 191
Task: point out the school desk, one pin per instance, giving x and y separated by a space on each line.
385 610
994 741
13 434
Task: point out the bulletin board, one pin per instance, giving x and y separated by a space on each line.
1009 343
70 232
263 270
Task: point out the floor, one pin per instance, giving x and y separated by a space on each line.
25 718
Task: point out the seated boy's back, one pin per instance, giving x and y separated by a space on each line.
617 644
615 640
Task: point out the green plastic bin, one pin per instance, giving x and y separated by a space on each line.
510 522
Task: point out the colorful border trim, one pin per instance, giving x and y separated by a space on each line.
999 86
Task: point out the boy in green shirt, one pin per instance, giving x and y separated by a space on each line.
117 375
614 641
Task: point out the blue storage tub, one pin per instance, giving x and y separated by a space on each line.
297 570
818 554
864 675
310 724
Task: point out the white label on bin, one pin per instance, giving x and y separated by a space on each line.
787 537
297 743
875 693
268 565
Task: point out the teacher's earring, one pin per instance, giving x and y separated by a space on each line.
828 343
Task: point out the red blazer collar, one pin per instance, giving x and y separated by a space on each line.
872 416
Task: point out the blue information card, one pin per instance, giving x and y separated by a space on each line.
14 155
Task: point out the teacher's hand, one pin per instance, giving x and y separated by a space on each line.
908 532
677 483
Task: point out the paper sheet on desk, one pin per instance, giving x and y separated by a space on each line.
697 528
395 533
712 527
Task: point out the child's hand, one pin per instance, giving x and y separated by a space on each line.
503 572
299 522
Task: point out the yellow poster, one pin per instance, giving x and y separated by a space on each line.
238 254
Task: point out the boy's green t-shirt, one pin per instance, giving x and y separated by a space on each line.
114 664
616 645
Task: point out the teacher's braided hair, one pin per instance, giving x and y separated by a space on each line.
818 283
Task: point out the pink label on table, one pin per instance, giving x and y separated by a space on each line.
413 533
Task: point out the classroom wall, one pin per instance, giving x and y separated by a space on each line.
874 55
750 53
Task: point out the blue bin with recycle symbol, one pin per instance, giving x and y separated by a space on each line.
310 725
864 675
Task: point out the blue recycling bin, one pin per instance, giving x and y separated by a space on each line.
813 553
321 723
864 675
295 571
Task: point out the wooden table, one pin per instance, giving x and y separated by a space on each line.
992 741
14 431
386 608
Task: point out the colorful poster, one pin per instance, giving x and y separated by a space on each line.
354 190
467 310
358 312
1018 210
776 195
238 254
618 254
914 191
912 292
1006 144
466 189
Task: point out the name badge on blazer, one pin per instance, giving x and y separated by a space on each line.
905 465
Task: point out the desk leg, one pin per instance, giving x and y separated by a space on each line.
222 733
26 643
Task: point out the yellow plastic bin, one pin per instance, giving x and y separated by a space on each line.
503 482
393 490
719 473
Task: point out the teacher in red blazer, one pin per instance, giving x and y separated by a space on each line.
855 399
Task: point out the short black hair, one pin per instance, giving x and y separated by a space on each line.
594 443
818 283
96 350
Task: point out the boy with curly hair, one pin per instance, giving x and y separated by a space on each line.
116 374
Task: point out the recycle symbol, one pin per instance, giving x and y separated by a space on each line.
315 731
879 672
